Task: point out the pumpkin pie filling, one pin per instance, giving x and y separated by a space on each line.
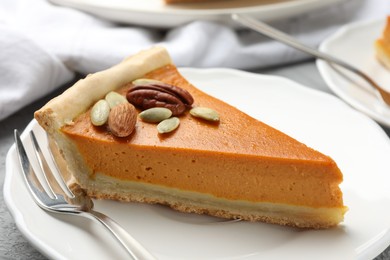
236 168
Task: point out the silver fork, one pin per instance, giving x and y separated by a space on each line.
57 198
275 34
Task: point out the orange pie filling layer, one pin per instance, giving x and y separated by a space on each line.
252 172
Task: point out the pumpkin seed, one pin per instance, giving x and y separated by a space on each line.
155 114
138 82
168 125
205 113
100 112
113 98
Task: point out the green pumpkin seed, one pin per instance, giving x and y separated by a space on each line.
138 82
100 112
205 113
113 98
155 114
168 125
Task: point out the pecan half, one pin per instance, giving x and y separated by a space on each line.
148 98
158 94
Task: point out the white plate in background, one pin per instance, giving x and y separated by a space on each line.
157 14
355 142
354 43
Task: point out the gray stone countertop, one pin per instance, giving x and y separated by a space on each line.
12 243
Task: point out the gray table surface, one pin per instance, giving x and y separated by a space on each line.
12 243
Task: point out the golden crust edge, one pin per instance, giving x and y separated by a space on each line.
75 100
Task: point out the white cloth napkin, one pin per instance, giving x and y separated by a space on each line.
42 45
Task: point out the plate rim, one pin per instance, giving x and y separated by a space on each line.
324 68
182 11
292 7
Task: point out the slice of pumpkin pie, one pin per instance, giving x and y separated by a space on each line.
141 132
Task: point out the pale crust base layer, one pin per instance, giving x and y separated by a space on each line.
104 187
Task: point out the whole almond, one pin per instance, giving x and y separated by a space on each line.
122 119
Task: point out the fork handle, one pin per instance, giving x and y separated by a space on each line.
275 34
132 246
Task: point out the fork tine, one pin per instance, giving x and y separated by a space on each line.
44 167
61 205
33 184
58 176
47 171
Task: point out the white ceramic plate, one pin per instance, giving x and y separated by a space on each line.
358 145
354 44
156 13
